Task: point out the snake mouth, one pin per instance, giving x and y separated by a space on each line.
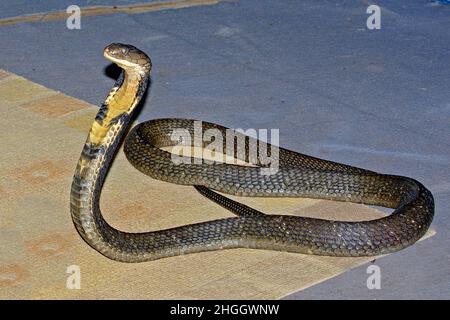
118 54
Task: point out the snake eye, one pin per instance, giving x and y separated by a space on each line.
124 50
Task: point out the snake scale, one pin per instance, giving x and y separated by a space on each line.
298 176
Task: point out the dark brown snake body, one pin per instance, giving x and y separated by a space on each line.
298 176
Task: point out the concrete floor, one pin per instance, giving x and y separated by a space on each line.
377 99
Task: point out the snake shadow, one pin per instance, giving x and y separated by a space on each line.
113 71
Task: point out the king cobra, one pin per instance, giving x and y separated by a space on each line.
298 175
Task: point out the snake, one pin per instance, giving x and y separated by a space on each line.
298 175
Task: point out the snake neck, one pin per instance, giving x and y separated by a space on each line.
111 122
98 152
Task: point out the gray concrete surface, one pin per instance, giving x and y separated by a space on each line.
377 99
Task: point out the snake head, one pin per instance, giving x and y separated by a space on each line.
128 57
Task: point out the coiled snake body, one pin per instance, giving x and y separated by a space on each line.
298 176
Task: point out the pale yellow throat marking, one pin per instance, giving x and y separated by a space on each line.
120 103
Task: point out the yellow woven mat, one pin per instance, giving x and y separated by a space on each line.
42 133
